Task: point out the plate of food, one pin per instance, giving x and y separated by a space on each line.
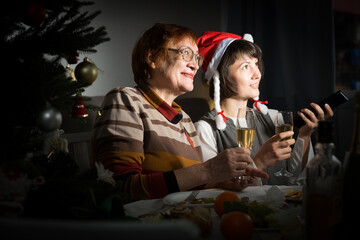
204 198
294 195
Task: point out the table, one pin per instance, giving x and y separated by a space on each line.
258 193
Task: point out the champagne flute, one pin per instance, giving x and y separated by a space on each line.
245 130
245 127
283 123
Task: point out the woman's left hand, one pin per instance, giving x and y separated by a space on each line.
311 119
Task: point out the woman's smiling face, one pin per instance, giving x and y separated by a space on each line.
174 73
246 73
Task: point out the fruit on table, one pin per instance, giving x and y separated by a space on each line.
223 197
236 225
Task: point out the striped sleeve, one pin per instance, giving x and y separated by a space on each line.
118 142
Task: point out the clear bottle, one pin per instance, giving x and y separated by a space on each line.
352 179
323 191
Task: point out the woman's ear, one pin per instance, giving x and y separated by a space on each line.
150 61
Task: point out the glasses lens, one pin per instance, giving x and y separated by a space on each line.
200 59
187 54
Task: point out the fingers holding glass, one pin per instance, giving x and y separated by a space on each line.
284 123
245 131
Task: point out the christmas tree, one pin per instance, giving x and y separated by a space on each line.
38 38
35 38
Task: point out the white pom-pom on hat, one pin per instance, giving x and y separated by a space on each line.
248 37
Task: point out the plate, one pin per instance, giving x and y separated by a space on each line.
252 192
293 194
178 197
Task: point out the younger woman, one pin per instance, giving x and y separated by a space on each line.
234 67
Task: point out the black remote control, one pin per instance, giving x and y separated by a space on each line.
333 100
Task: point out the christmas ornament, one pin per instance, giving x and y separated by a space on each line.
86 72
49 119
35 14
70 72
79 109
54 143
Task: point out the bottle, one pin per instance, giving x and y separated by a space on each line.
323 191
352 178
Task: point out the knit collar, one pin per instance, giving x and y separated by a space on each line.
171 113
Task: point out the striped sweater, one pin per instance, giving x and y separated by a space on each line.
142 139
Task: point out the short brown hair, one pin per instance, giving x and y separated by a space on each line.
155 41
228 88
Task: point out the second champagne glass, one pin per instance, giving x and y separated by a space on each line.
283 123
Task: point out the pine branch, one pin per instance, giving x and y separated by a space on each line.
31 57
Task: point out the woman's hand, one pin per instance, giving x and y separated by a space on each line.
311 119
232 163
274 150
219 170
236 184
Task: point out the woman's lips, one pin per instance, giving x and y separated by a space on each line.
254 85
189 75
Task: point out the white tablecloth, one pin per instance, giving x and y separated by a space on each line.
258 193
138 208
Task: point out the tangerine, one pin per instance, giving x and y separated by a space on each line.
236 225
223 197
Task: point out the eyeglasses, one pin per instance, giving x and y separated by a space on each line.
188 55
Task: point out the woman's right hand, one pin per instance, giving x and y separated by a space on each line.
231 163
274 150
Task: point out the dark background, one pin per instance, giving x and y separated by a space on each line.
310 48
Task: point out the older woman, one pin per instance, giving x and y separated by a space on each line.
144 137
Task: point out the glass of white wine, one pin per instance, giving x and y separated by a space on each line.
284 123
245 130
245 127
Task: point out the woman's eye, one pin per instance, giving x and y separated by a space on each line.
186 52
245 67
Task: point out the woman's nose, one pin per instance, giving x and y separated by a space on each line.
256 72
193 64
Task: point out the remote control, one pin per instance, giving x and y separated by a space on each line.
333 100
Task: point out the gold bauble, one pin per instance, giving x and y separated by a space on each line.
86 72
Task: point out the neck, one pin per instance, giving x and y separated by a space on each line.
230 106
166 94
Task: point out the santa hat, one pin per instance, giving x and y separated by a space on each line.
212 45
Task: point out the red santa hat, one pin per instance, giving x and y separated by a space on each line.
212 45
